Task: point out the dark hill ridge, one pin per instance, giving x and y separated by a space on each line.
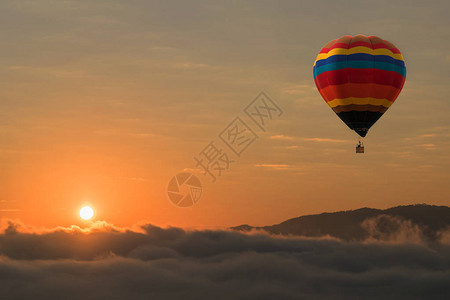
429 221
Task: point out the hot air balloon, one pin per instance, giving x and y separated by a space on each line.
359 77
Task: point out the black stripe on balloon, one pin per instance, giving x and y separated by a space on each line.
359 121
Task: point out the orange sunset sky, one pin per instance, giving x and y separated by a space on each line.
102 102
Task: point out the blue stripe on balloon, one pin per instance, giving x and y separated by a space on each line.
360 57
359 65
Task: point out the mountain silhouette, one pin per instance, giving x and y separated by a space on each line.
427 222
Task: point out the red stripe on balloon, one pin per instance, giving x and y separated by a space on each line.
349 75
360 44
359 90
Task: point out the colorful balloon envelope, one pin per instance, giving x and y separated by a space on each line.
359 77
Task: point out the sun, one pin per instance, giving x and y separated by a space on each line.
86 213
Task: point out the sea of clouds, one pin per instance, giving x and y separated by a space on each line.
149 262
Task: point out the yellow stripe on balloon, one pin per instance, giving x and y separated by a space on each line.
360 49
359 101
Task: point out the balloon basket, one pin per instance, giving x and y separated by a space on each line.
360 147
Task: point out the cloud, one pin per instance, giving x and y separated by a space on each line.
106 262
428 146
281 137
301 89
274 166
393 229
428 135
325 140
136 178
